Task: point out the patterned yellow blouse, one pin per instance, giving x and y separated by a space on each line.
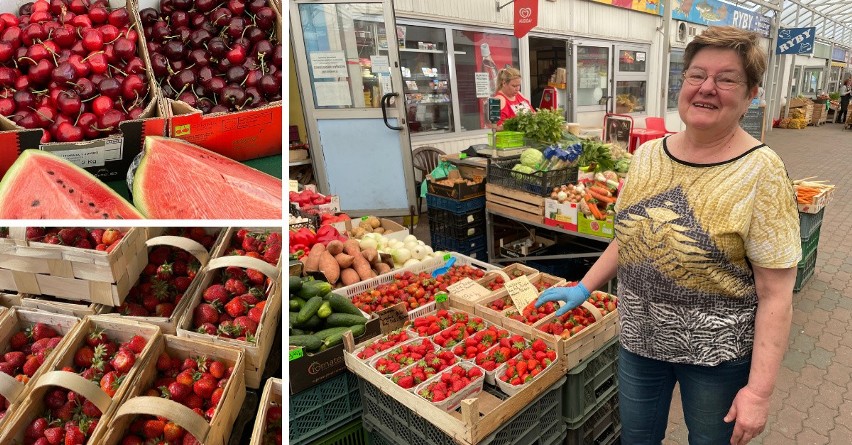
687 234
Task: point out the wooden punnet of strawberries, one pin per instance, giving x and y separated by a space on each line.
384 343
459 331
531 314
528 365
263 245
431 324
451 382
80 237
68 418
196 382
431 364
477 342
415 290
403 355
506 348
28 348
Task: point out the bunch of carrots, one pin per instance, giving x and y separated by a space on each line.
807 190
598 198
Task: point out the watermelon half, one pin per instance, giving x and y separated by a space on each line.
40 185
179 180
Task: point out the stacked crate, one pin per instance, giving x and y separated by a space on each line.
809 228
590 398
457 220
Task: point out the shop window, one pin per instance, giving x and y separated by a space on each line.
675 81
630 96
812 83
479 56
592 75
630 61
426 78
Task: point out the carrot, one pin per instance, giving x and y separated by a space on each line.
601 190
593 207
601 198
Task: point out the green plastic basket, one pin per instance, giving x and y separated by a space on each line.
590 383
506 139
808 246
351 434
806 271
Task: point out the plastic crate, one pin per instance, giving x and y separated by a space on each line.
805 271
439 241
461 226
603 427
351 434
590 383
809 223
329 405
458 219
539 183
506 139
391 422
455 205
555 438
808 246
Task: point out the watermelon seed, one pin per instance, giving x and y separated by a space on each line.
35 203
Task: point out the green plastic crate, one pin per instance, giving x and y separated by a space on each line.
506 139
806 271
351 434
809 223
808 246
323 408
590 383
603 427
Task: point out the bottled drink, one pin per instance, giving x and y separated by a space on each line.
488 66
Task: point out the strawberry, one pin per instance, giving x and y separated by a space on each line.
181 284
246 325
207 328
235 286
83 357
19 340
54 435
110 382
255 276
55 398
41 330
204 387
178 391
164 362
236 307
172 432
34 233
159 255
123 360
216 292
31 366
255 313
153 428
217 369
90 410
205 313
8 369
96 337
165 271
15 358
36 428
136 344
272 255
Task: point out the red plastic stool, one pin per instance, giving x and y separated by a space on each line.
639 136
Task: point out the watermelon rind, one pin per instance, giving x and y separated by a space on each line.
35 188
176 179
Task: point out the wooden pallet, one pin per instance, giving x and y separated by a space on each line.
524 206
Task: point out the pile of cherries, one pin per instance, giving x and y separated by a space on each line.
215 55
71 67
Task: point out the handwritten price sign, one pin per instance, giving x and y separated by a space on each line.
468 289
521 291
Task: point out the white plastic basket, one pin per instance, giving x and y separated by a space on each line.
424 266
452 402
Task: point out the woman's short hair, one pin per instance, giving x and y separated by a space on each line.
507 75
745 43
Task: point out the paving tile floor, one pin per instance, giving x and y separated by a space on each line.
812 403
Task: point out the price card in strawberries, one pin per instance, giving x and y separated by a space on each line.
468 289
521 291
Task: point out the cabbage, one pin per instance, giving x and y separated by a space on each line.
532 158
522 169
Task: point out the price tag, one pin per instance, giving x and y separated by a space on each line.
294 185
393 318
493 109
296 354
441 297
468 289
521 291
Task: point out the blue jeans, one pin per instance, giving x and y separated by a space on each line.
645 389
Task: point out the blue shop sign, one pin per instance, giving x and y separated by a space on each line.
717 13
796 41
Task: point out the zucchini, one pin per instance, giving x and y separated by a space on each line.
313 289
338 319
325 310
337 338
309 342
309 309
343 305
295 284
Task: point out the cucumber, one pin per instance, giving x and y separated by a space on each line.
296 304
294 331
325 310
295 284
293 317
342 304
336 339
309 342
309 309
310 325
325 333
313 289
338 319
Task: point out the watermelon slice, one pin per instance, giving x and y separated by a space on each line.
40 185
179 180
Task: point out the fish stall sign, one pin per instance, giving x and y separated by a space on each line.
796 41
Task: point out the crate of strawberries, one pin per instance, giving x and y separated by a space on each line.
268 425
525 367
449 387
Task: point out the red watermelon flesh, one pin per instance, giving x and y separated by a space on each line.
179 180
40 185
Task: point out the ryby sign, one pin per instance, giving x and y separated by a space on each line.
796 41
526 16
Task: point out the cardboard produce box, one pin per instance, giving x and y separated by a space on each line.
107 158
592 226
560 214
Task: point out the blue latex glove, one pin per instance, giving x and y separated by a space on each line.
572 296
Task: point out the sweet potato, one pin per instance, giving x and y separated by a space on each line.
382 268
362 266
351 247
313 259
343 259
348 276
329 267
334 247
370 254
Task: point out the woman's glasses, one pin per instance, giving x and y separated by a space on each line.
723 81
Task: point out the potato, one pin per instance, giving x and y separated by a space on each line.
382 268
374 222
329 267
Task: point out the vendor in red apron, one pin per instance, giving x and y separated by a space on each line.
511 101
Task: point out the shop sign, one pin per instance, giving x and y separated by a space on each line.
795 41
649 6
717 13
526 16
838 54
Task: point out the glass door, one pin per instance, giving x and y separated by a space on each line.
591 76
631 79
348 70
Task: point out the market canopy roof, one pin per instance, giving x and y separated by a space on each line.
832 18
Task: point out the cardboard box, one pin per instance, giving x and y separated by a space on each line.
107 158
242 135
307 370
562 215
460 190
595 227
393 230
